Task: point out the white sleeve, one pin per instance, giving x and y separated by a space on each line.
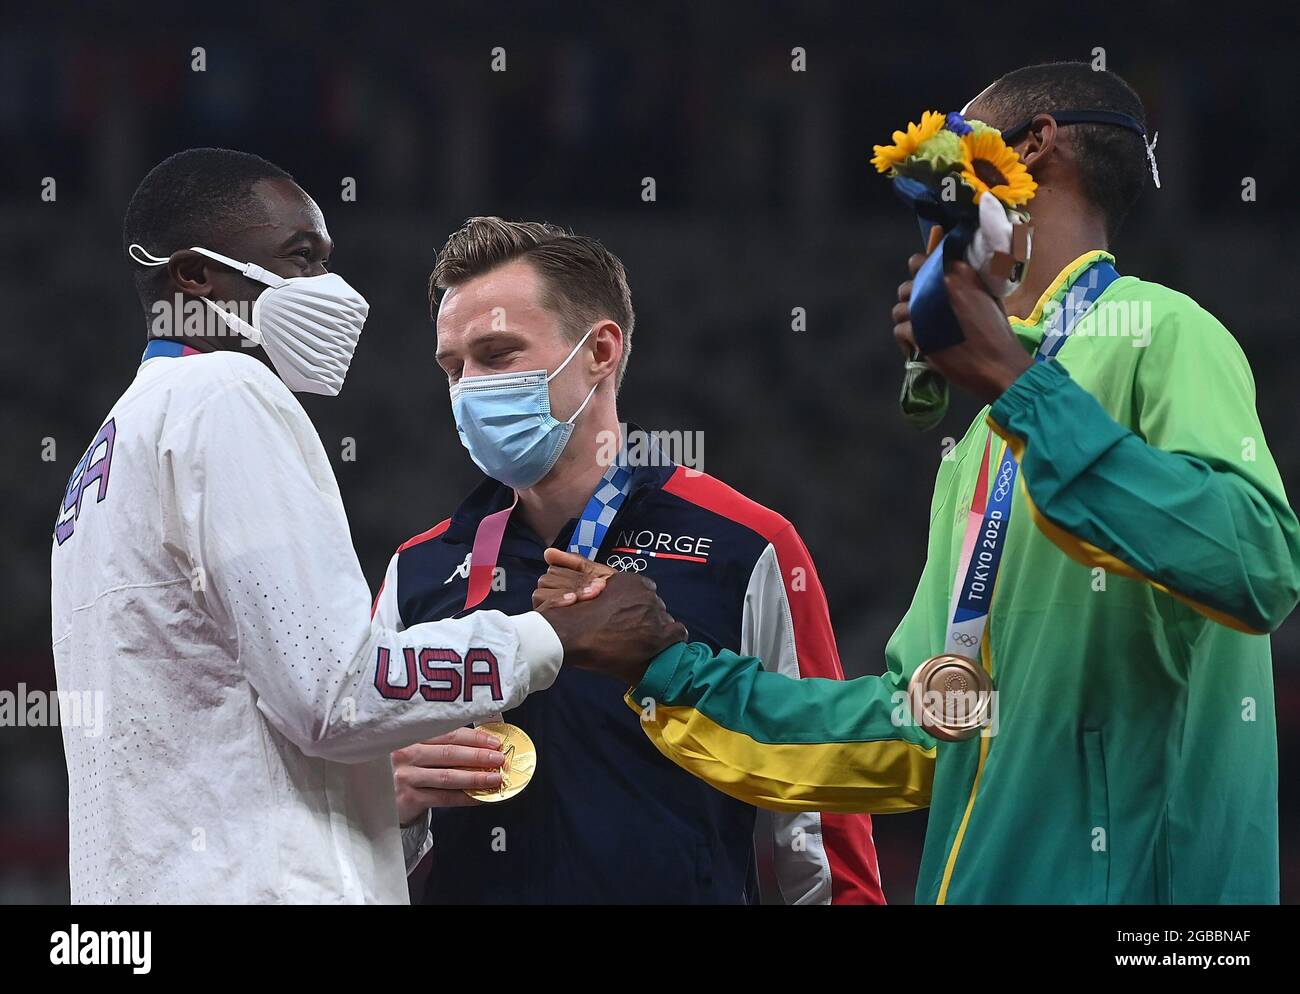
417 838
267 542
799 862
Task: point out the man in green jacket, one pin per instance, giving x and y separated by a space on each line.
1149 549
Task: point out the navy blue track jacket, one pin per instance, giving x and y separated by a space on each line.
606 819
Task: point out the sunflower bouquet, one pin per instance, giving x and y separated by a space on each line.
945 145
958 175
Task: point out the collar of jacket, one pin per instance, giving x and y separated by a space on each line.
1030 330
520 540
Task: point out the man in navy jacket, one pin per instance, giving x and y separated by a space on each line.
534 330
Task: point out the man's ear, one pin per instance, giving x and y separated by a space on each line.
188 272
607 348
1039 140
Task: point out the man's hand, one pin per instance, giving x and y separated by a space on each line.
571 578
991 357
436 773
615 631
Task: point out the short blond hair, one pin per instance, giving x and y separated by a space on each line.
583 282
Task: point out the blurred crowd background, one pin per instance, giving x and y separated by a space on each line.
765 202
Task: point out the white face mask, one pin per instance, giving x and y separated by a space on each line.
309 325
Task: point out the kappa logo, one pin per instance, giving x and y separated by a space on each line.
461 571
498 573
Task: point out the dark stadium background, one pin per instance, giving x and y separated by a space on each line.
765 202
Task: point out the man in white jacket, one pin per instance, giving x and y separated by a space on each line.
204 582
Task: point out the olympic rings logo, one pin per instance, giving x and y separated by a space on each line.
1003 482
966 639
628 564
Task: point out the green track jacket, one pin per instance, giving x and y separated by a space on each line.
1151 548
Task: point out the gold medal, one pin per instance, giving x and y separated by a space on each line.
950 696
521 761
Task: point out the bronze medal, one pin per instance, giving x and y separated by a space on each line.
521 761
950 696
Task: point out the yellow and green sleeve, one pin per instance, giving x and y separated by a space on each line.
783 744
1190 502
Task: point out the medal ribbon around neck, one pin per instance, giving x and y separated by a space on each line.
600 511
588 535
591 529
990 511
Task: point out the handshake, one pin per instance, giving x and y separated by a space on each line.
608 622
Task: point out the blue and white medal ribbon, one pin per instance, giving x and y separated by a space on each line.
990 513
602 508
951 693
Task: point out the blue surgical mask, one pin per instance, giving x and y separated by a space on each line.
504 420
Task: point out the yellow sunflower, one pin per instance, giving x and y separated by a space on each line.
990 166
907 142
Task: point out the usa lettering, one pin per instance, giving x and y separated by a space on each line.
92 468
437 674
